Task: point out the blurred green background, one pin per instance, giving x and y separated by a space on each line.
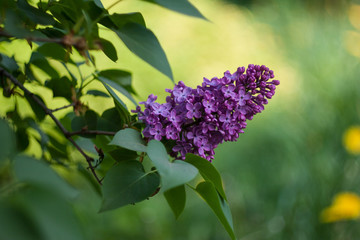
291 161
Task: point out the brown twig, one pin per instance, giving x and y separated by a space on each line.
64 107
89 132
49 112
34 39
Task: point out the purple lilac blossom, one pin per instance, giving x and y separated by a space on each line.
198 120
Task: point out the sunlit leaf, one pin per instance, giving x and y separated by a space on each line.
127 183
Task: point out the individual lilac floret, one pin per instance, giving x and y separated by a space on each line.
198 120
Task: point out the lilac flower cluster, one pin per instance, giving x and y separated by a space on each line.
198 120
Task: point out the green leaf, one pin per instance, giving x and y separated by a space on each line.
35 14
37 109
53 216
61 87
117 87
219 205
172 174
42 63
122 154
127 183
176 198
8 63
143 43
130 139
37 173
16 224
119 77
97 93
207 171
54 51
86 122
7 146
110 120
120 105
14 25
181 6
108 48
117 21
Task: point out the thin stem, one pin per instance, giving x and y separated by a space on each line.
49 112
34 39
89 132
64 107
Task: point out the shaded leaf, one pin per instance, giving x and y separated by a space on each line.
120 105
176 198
181 6
110 120
54 51
61 87
7 146
86 122
34 14
8 63
14 25
54 216
127 183
143 43
117 21
118 87
37 173
108 48
219 205
12 219
42 63
130 139
37 109
97 93
120 77
207 171
172 174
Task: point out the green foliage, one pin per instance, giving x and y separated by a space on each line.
128 183
176 198
219 205
172 174
105 148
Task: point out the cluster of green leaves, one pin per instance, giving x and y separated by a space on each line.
34 197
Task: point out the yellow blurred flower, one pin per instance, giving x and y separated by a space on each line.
345 206
352 140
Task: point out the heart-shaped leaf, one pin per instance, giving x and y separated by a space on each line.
130 139
126 183
172 174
